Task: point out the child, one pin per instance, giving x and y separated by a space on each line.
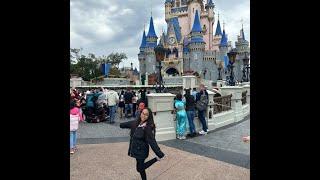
75 117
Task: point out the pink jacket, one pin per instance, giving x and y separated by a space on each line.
75 117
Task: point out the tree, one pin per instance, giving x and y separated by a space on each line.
115 59
86 67
74 55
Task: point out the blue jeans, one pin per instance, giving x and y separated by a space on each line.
190 115
203 120
112 112
128 107
73 139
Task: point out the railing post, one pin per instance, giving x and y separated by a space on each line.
236 103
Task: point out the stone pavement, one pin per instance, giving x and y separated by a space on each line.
220 154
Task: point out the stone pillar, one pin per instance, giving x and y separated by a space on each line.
236 103
209 111
146 80
189 82
247 88
161 105
220 83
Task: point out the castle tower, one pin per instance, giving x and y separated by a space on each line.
242 45
196 46
151 43
141 55
223 44
168 6
242 48
217 36
193 6
210 8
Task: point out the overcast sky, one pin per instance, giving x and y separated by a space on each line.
105 26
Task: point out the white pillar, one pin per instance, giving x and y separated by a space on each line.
247 88
236 103
146 80
161 105
189 82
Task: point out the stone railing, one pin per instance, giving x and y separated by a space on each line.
244 97
221 104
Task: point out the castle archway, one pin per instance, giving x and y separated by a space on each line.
171 71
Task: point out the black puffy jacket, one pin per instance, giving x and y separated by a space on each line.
140 139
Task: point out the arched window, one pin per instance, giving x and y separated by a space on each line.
175 51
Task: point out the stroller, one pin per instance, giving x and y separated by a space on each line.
94 111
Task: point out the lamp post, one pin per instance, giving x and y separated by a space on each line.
204 73
219 71
160 53
232 57
245 68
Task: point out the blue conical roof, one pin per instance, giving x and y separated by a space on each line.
151 32
218 30
242 34
224 39
210 4
144 40
196 24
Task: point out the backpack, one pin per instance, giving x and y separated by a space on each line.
201 105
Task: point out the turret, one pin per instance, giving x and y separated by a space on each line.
196 45
210 7
151 37
168 6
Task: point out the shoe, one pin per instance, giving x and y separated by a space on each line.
178 136
158 159
71 151
183 137
202 132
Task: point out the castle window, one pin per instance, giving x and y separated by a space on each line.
178 3
183 2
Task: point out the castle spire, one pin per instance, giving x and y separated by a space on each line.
218 30
224 39
144 38
242 31
151 32
151 37
196 35
196 24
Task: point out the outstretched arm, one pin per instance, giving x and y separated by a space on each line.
126 125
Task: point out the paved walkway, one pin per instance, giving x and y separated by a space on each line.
218 155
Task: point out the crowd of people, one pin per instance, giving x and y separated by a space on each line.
99 105
102 105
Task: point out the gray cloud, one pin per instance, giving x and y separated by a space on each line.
102 27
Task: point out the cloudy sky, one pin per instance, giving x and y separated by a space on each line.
105 26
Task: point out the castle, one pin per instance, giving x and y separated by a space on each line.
194 48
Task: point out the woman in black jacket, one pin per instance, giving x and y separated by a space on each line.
142 135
